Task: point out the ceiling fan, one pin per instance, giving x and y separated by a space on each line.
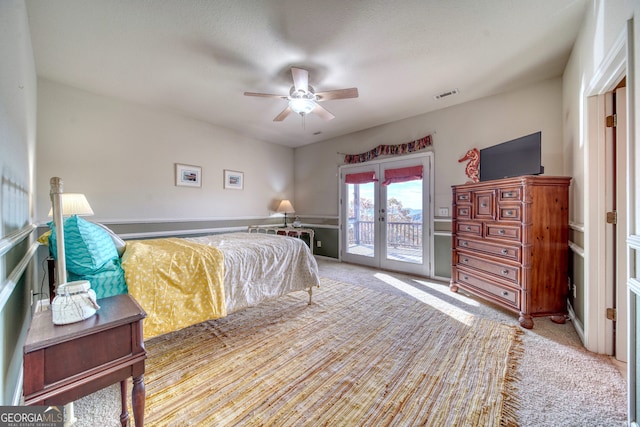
303 99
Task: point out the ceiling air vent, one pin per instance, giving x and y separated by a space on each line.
445 94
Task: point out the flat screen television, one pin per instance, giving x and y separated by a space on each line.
521 156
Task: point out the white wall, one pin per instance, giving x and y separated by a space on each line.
17 161
17 109
455 130
588 73
122 156
604 23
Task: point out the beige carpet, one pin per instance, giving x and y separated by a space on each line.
354 357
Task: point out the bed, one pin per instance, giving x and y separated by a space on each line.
183 281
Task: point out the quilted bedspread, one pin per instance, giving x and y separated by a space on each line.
183 281
177 282
259 267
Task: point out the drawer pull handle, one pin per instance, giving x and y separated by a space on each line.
463 197
509 194
465 277
504 251
505 272
501 232
464 243
465 260
463 212
508 213
484 205
468 228
505 293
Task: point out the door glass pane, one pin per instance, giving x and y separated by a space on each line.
404 222
361 219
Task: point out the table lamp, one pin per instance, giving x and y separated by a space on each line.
285 207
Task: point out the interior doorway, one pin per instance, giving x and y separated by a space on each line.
616 229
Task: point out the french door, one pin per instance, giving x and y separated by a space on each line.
385 214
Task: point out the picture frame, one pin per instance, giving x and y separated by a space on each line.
188 175
233 180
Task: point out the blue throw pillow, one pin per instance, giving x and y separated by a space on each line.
88 247
107 281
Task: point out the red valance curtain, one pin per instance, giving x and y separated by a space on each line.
360 178
411 173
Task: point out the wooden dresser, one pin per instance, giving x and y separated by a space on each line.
510 244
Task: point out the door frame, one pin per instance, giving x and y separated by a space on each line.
598 331
428 205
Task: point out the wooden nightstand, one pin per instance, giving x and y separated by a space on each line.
63 363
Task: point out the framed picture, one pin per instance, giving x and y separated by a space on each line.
188 175
233 180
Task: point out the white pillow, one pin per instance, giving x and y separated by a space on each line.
120 244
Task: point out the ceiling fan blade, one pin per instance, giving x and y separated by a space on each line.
264 95
283 115
338 94
300 79
323 113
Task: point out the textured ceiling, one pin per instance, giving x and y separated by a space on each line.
198 57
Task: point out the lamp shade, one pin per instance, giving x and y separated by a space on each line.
285 207
74 204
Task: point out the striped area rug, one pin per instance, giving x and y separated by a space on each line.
355 357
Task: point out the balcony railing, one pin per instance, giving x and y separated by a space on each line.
399 234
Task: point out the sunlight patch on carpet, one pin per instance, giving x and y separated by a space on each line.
447 293
354 357
439 304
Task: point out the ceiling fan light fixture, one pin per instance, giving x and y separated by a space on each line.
302 106
303 100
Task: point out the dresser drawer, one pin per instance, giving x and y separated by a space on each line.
474 228
509 212
463 212
504 251
502 231
505 271
497 292
483 205
510 194
463 197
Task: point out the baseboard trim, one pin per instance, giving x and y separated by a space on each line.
576 323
